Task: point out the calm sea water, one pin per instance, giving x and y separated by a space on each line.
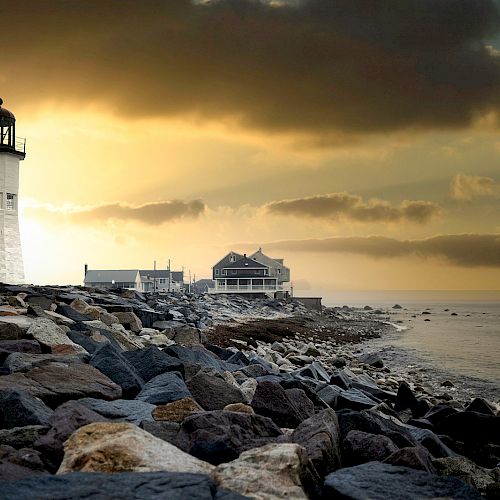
467 344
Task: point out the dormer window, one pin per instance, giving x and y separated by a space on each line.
232 258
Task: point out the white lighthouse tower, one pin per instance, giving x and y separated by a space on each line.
12 150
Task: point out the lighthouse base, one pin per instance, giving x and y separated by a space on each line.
11 256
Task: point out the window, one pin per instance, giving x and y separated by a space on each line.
162 281
11 202
224 272
216 272
232 258
278 271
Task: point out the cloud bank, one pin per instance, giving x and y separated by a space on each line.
312 66
466 187
337 206
152 214
465 250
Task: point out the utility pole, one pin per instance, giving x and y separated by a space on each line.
154 277
169 276
190 281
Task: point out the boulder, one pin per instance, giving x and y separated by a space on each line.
19 464
123 447
127 485
116 367
341 379
196 357
240 408
53 337
212 392
248 388
406 400
354 399
22 322
255 370
164 430
413 457
480 405
150 362
10 331
10 346
186 336
57 382
24 362
66 419
470 426
22 437
176 411
71 313
467 471
272 472
360 447
372 359
20 408
129 320
379 481
285 407
164 388
438 412
319 435
220 436
120 410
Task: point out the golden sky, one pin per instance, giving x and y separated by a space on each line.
358 140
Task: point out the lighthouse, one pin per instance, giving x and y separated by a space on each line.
12 151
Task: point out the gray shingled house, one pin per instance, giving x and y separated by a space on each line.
254 275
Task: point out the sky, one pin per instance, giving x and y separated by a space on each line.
357 139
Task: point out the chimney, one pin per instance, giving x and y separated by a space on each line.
86 268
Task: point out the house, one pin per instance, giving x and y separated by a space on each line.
141 280
255 275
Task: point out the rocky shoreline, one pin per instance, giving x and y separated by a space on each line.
109 394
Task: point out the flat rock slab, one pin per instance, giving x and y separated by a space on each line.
121 410
58 382
133 486
379 481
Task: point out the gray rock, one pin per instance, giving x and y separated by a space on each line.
19 464
20 408
213 393
285 408
121 410
376 481
24 362
220 436
354 399
372 359
319 435
151 362
360 447
127 485
164 388
164 430
115 366
413 457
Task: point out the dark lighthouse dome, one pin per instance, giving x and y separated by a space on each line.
6 117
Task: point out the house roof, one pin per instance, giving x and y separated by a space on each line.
226 258
261 257
177 276
108 276
246 262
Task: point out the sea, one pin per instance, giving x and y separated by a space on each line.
455 334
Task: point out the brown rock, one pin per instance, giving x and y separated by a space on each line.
239 408
176 411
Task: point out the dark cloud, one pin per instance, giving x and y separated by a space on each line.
150 213
466 187
466 250
312 66
348 206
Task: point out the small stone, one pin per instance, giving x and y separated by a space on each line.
239 408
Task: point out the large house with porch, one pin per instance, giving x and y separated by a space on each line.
255 275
